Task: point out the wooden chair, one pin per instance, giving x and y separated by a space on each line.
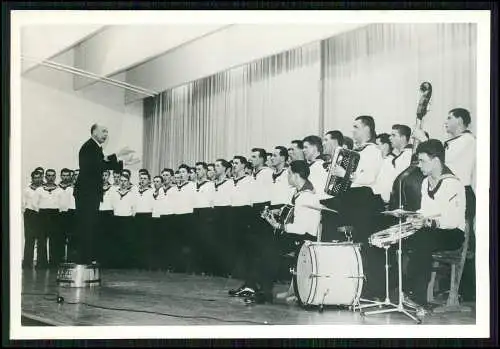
455 260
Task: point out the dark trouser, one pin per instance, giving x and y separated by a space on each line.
282 246
31 233
166 249
220 249
67 224
123 243
470 203
203 237
87 220
262 262
183 240
468 282
330 221
143 236
238 236
422 244
49 229
106 246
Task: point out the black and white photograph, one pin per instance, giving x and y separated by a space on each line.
249 174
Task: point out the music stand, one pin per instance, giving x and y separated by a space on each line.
400 307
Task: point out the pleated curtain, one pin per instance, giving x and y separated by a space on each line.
266 103
377 70
374 70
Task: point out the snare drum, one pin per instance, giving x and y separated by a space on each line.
329 274
78 275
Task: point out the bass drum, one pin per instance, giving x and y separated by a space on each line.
329 274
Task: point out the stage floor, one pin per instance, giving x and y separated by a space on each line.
134 298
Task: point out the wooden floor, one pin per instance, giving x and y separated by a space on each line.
157 298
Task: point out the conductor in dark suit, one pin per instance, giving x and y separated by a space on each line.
88 191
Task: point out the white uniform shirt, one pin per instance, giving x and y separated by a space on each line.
460 157
125 204
369 165
48 199
318 177
448 200
385 178
67 200
305 220
158 202
107 199
242 192
223 192
262 182
145 200
29 197
391 168
167 204
184 198
281 190
402 161
204 194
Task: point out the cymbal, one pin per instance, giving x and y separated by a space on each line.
400 213
320 208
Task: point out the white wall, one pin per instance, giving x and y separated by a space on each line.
44 41
108 52
55 123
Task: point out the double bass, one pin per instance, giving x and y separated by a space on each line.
406 189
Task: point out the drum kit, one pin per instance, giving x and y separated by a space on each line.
332 273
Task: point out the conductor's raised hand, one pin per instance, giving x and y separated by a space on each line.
131 160
124 152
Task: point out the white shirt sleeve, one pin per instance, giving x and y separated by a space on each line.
385 178
318 177
26 199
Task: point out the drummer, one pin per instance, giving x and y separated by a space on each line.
304 226
443 196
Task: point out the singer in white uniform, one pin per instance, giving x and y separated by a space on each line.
241 218
221 245
48 200
143 232
124 201
168 222
31 219
106 219
183 209
203 220
66 217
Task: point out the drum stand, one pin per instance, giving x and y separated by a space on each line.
400 306
387 301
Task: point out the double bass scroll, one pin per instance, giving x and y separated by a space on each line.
406 189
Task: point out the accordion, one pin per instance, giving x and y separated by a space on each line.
347 159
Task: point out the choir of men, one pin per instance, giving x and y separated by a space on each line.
207 218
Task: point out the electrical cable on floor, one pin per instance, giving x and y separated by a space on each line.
60 299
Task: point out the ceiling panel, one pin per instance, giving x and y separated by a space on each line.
41 42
